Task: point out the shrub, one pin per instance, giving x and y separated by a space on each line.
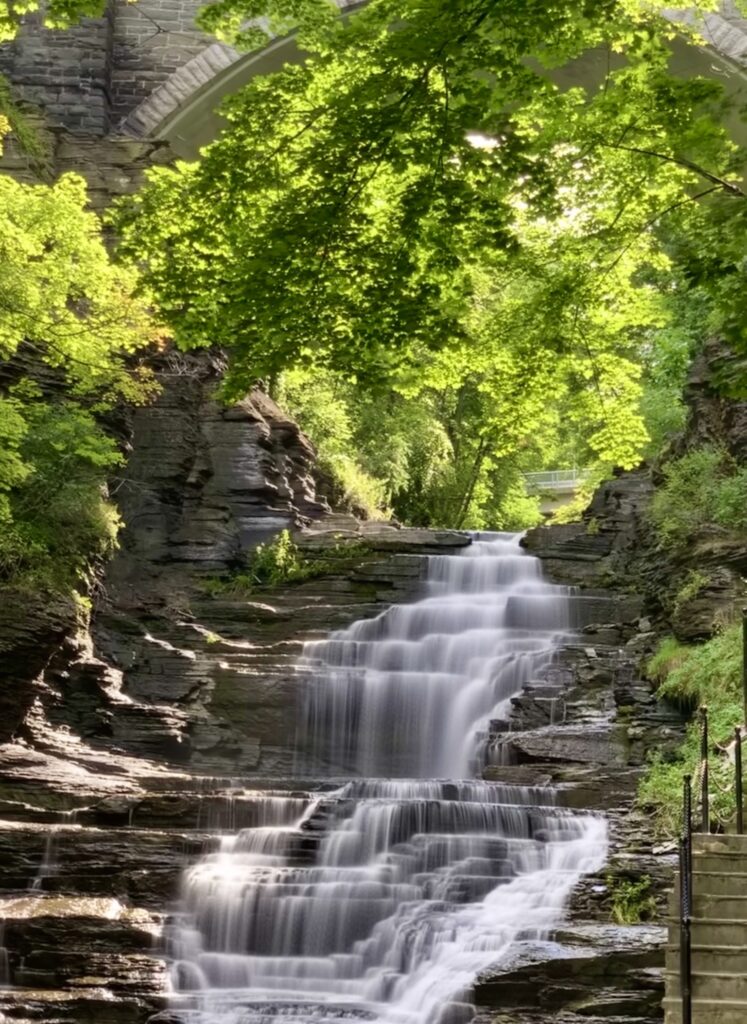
701 488
669 655
359 490
693 583
709 674
55 516
632 900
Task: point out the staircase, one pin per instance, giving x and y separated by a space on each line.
719 935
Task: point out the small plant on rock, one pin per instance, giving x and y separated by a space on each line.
281 561
632 900
694 582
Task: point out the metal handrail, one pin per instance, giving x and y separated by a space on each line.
686 903
738 779
701 785
704 802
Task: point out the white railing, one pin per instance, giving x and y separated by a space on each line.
556 479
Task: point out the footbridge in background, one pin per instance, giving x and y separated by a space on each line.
556 481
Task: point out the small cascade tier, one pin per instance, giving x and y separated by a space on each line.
383 898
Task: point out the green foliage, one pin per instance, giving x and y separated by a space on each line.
573 510
55 518
692 585
703 488
633 900
328 410
396 211
281 561
515 509
69 332
355 488
278 561
27 137
247 24
56 13
707 674
431 453
669 655
664 414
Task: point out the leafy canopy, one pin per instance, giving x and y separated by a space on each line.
418 204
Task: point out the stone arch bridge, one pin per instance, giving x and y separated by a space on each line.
143 71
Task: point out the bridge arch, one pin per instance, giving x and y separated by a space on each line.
182 110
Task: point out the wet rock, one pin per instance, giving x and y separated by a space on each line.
592 968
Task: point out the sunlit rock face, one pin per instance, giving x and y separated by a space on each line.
205 482
385 897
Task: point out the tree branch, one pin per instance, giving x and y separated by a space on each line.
680 161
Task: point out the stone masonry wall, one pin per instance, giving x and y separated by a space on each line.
152 40
67 73
90 77
112 166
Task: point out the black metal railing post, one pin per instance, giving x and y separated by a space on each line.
687 822
686 903
738 780
706 815
744 662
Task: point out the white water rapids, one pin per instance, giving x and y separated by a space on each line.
384 898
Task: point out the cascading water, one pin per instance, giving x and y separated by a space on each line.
385 897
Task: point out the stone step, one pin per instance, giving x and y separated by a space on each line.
724 862
708 844
713 932
727 882
711 985
719 880
706 907
707 1011
730 959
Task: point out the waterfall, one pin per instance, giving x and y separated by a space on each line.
384 897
